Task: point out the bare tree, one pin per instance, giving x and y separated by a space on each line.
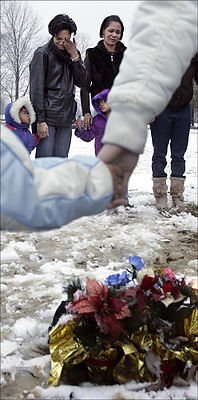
82 44
20 36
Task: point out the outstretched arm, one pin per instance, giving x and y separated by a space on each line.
85 134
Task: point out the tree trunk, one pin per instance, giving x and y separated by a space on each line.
17 84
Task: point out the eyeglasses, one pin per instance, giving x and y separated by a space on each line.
59 39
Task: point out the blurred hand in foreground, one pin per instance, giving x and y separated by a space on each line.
125 161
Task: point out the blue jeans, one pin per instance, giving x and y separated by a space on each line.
173 127
57 144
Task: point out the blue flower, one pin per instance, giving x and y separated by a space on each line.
136 262
156 286
117 279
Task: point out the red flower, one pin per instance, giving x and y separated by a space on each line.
106 310
168 287
148 282
175 292
141 300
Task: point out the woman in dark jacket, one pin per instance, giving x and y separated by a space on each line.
102 62
54 70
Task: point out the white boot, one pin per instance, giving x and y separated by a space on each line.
176 191
160 193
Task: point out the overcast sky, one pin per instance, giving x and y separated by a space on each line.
88 15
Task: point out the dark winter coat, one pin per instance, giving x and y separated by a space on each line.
29 140
102 67
98 124
52 83
184 93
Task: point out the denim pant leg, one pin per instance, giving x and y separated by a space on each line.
62 141
45 147
179 141
161 130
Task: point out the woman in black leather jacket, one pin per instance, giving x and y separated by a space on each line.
102 62
54 70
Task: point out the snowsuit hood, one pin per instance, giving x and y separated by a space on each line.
98 125
102 95
12 112
14 123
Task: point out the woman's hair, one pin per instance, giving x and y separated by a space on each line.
61 22
108 20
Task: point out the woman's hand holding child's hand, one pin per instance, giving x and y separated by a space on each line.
87 121
42 130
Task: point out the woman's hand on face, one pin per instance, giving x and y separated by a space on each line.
87 120
71 48
42 130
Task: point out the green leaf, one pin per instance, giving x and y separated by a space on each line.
72 286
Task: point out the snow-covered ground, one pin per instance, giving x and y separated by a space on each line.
35 266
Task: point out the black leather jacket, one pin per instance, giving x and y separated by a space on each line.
52 86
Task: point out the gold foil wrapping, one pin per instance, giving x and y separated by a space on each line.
132 366
65 349
120 361
191 324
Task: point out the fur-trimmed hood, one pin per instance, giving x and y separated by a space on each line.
12 112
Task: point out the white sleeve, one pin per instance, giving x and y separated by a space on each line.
163 40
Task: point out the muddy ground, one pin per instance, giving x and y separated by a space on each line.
32 280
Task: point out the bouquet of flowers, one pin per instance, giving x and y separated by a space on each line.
140 324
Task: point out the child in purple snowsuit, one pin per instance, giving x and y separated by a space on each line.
97 128
19 115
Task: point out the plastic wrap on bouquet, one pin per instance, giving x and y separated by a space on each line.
117 362
111 329
132 366
191 325
65 350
